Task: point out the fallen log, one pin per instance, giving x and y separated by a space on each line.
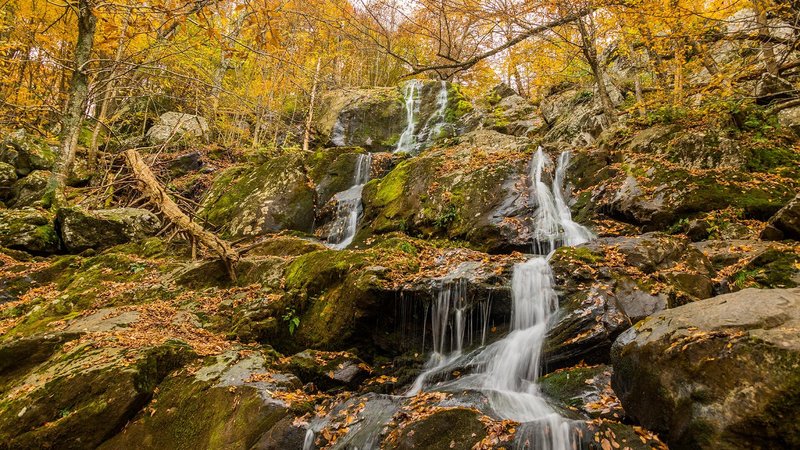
152 189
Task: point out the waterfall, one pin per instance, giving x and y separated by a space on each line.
348 206
412 140
408 139
510 367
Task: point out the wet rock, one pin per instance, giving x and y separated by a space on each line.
718 373
474 191
586 389
176 126
28 191
785 224
375 118
103 228
328 370
28 229
272 197
609 284
332 171
26 153
458 428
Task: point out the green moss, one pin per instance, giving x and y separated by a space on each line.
569 385
772 269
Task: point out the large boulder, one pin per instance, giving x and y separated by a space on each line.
28 229
785 224
607 285
278 195
27 153
475 190
82 229
720 373
175 126
224 401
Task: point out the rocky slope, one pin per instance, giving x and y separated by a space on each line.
113 336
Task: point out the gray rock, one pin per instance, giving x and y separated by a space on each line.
789 118
174 126
277 195
28 229
28 191
785 224
718 373
8 176
82 229
27 153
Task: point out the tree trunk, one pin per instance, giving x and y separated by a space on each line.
78 92
310 118
590 53
767 50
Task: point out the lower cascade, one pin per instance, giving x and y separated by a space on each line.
508 368
348 206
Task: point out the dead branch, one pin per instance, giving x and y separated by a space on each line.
158 195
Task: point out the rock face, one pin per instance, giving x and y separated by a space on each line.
611 283
475 190
174 126
99 229
785 224
275 196
8 175
28 229
376 118
719 373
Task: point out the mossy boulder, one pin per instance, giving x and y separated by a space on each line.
274 196
175 126
719 373
458 428
82 397
27 153
609 284
473 191
28 229
82 229
28 191
220 403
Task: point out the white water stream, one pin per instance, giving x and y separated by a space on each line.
412 140
348 206
510 367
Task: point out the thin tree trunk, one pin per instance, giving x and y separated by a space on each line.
78 92
767 49
590 53
310 118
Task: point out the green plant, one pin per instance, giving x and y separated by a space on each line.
290 316
449 215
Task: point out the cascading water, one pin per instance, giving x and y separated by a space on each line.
348 206
408 139
412 140
509 367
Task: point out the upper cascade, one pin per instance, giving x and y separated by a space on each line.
348 206
408 118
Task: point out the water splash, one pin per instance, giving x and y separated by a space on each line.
348 206
338 137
